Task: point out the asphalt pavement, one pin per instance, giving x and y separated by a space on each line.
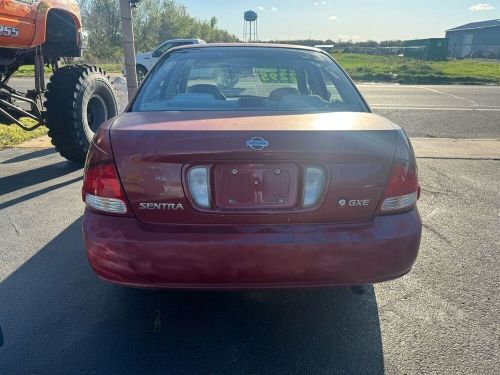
438 111
442 318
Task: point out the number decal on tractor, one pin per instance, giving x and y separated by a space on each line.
283 76
8 31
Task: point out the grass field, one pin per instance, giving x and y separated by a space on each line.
29 70
12 135
408 70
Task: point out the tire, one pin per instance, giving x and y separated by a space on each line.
141 73
79 99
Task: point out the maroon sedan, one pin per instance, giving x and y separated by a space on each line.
250 166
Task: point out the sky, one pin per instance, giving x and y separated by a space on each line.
356 20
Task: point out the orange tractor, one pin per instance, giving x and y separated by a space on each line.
77 99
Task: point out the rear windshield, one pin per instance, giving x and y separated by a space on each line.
236 79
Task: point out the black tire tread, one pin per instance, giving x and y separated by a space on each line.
65 131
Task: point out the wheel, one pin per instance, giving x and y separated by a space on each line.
141 73
79 99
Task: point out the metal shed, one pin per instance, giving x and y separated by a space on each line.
427 49
477 39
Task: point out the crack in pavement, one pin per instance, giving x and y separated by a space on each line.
18 231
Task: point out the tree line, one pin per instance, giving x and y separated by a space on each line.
154 21
341 43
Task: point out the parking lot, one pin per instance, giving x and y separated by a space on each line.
442 318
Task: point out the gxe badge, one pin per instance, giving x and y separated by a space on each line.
257 143
354 202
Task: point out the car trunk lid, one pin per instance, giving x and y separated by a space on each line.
257 165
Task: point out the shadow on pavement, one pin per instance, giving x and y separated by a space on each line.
57 317
37 193
30 155
35 176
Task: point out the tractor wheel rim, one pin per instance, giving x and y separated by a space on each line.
97 112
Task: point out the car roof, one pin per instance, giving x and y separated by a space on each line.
248 45
183 40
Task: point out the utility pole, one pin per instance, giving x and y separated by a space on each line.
129 46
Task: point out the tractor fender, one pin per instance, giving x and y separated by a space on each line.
41 12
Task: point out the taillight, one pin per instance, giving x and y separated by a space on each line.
314 180
102 190
199 186
402 190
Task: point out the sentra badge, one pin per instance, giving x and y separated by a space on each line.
161 206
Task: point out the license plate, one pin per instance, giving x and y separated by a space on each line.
256 186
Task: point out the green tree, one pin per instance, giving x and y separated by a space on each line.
154 21
213 22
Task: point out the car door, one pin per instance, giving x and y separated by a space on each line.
17 25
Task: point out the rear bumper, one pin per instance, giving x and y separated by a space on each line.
126 252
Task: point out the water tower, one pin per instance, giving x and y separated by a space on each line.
250 26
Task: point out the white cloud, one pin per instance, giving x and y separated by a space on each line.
480 7
317 3
261 8
333 18
274 9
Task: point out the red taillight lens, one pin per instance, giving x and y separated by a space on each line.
402 181
402 190
102 180
102 190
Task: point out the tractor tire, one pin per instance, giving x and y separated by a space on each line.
79 99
